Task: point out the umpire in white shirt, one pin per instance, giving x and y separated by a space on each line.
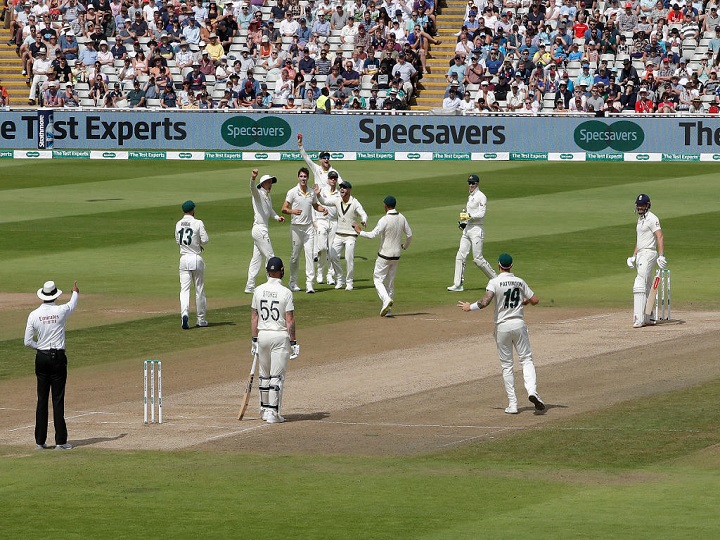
395 236
47 324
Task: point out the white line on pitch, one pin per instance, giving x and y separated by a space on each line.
476 437
387 424
237 432
588 318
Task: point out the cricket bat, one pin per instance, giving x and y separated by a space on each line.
248 389
650 305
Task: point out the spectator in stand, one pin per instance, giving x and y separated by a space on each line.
485 93
452 102
350 76
595 102
407 73
643 105
564 94
136 97
458 68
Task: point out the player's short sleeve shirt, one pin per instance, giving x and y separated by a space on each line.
510 291
272 300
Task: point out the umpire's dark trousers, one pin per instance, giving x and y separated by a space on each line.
51 373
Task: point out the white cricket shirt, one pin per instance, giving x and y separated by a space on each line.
304 201
476 207
646 227
48 323
262 205
392 228
272 300
510 291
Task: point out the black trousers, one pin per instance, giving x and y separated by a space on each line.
51 373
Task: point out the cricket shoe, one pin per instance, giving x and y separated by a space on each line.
202 324
349 287
511 408
309 289
638 324
454 288
387 304
539 403
185 323
319 279
250 289
274 418
339 285
265 414
330 280
66 446
294 287
41 447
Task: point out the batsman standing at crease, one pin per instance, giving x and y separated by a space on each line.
649 249
273 338
471 223
191 236
263 210
511 293
47 323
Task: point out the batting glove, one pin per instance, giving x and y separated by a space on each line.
294 350
631 261
662 262
254 347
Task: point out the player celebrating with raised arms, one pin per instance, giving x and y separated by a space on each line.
511 293
649 249
263 210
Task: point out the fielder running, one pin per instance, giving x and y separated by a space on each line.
273 338
395 236
511 293
299 203
263 210
649 249
191 236
349 212
471 223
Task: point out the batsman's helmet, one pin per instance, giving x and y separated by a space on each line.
473 179
274 264
642 204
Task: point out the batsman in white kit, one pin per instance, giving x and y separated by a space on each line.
473 234
511 293
395 236
263 211
649 249
273 338
191 236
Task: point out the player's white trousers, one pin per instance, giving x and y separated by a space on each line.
384 278
514 334
348 242
192 271
323 232
302 237
471 240
273 358
645 265
262 251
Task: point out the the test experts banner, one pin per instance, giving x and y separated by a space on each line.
520 137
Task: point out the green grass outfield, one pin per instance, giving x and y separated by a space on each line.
569 226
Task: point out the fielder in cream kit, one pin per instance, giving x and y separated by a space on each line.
191 236
511 293
327 178
649 249
471 223
273 338
263 210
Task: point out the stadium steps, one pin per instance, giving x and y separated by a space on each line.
11 71
433 84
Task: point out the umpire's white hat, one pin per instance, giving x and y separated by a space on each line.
49 292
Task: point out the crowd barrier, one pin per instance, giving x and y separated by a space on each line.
208 135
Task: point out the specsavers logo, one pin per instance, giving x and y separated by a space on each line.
269 131
622 136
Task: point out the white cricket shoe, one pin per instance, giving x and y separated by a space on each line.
274 418
511 408
539 403
638 324
387 304
66 446
453 288
265 414
339 285
250 289
202 324
330 280
349 287
294 287
309 289
319 279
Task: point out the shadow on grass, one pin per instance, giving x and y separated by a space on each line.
96 440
